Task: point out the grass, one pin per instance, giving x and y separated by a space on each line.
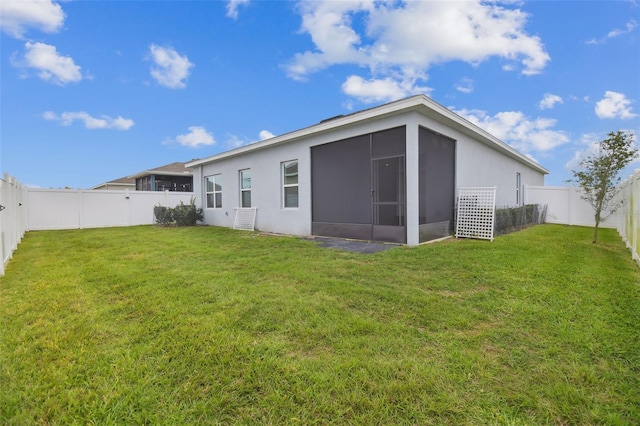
208 325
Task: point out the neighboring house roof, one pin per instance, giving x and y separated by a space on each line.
419 103
174 169
124 182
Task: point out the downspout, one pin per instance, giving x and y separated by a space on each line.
202 189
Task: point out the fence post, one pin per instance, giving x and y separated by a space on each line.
570 204
3 184
81 210
633 203
12 218
127 196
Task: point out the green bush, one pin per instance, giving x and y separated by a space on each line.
510 219
163 215
181 215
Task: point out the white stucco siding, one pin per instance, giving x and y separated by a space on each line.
266 180
478 164
412 177
266 190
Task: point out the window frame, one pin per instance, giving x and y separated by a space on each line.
243 190
216 179
285 185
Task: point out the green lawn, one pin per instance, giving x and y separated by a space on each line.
208 325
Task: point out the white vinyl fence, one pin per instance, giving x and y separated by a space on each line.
30 209
629 215
565 206
25 209
77 209
12 217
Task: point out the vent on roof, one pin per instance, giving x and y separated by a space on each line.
332 118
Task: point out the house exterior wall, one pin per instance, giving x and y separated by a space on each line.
476 165
266 186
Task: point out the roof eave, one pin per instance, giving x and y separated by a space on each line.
421 103
113 184
463 125
160 172
322 127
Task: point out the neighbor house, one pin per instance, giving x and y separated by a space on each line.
387 173
117 185
171 177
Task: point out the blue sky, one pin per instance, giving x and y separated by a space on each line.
96 90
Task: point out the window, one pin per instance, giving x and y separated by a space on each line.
518 191
290 183
213 185
245 188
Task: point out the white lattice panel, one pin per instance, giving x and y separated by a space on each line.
245 219
476 213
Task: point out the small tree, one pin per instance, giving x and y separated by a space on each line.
598 174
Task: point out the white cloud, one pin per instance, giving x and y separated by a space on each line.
614 105
18 15
51 66
232 7
375 90
102 122
348 105
234 141
169 68
465 85
587 145
524 133
265 134
399 41
629 27
617 32
197 136
549 101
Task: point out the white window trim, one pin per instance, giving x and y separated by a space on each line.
291 185
243 190
214 192
518 189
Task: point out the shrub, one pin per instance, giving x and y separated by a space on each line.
163 215
181 215
510 219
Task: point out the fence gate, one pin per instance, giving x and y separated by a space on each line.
476 213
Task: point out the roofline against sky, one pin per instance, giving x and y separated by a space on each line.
160 172
112 184
420 103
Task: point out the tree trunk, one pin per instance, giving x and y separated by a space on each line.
595 231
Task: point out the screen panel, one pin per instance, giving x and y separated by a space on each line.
341 181
437 184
